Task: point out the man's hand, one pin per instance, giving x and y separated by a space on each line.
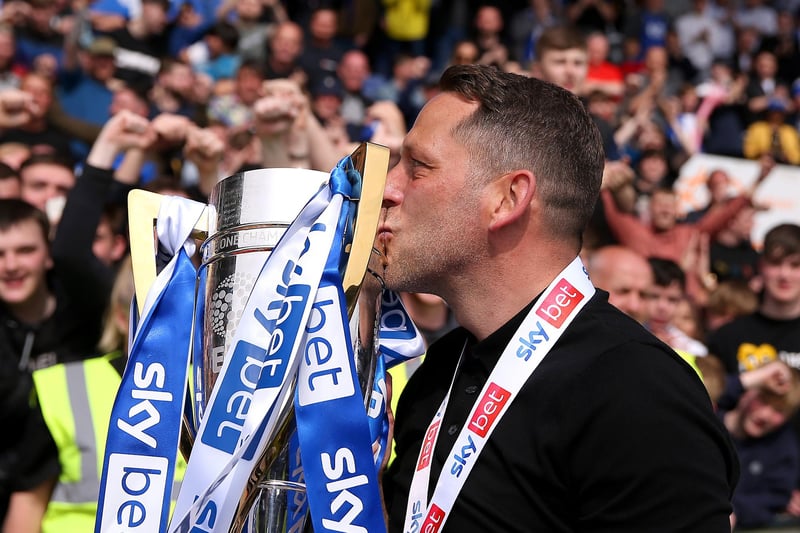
171 130
204 148
16 108
124 131
775 376
282 104
616 174
274 115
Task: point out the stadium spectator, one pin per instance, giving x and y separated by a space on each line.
773 331
142 43
625 275
35 130
772 136
701 36
662 299
602 75
526 27
285 48
756 409
322 52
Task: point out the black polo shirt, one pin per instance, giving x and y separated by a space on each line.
613 432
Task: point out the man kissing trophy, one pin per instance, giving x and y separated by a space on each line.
263 363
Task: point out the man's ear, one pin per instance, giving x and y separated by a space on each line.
120 247
511 196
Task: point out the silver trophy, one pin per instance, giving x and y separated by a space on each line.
246 216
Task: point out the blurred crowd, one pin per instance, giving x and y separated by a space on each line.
100 97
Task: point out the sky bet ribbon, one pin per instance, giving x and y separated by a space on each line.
257 371
399 341
142 442
552 313
332 427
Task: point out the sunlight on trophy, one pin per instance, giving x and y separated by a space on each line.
262 343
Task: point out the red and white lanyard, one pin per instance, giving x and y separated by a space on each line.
533 340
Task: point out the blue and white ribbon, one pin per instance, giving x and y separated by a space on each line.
142 441
341 480
254 386
399 341
261 360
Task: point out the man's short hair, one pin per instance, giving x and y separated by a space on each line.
653 152
14 211
227 33
6 172
560 38
732 297
788 402
781 241
666 272
117 217
160 3
666 190
48 159
527 123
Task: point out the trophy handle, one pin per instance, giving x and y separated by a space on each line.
143 207
372 161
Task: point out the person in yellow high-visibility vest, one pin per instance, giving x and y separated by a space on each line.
75 400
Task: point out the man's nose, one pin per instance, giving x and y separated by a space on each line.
8 262
393 191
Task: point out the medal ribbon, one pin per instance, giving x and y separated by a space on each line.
561 301
142 442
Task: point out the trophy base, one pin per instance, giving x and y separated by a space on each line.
279 507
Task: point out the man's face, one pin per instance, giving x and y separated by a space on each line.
662 303
565 68
24 262
287 43
759 418
353 71
248 85
663 211
108 247
782 279
126 99
742 224
653 169
180 79
44 181
41 92
627 288
102 67
323 24
7 47
155 17
9 188
489 20
597 49
431 230
766 65
249 10
718 183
